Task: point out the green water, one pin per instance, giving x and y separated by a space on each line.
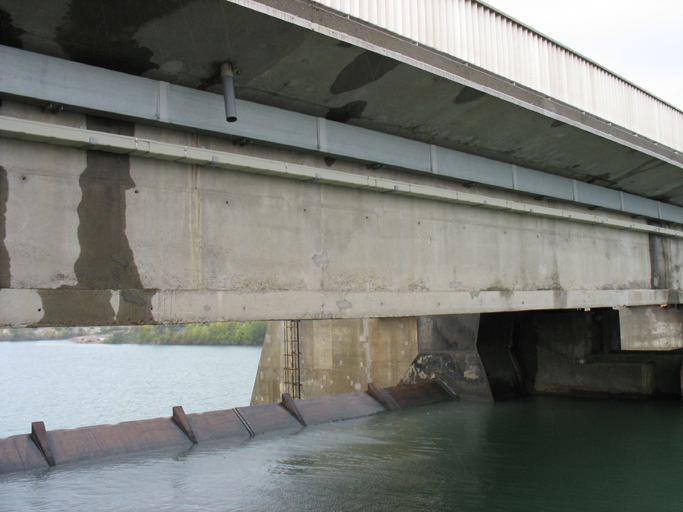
530 455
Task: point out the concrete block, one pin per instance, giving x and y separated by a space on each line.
651 328
560 376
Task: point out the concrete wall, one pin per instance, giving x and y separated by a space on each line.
579 353
338 356
96 238
651 328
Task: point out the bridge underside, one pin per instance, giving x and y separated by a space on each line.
305 58
627 353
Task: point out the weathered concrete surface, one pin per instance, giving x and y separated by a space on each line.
496 348
338 356
269 383
666 367
561 352
447 348
558 375
578 353
96 239
488 356
651 328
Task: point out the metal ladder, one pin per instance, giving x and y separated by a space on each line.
291 353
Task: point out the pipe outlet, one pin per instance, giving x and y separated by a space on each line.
228 79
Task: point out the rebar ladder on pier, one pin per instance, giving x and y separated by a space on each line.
292 379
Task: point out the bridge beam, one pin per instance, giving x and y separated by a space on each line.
114 237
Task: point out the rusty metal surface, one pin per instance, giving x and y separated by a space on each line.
103 440
19 453
245 422
269 418
382 397
448 386
289 404
181 420
324 409
40 437
422 393
208 426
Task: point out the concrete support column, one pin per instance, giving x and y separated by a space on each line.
447 346
338 356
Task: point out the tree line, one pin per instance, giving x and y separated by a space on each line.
217 333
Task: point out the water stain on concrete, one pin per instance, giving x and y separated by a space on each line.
102 215
468 95
320 259
9 34
368 67
352 110
647 166
103 35
106 261
5 276
560 299
65 306
658 273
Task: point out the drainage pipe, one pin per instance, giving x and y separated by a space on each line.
228 79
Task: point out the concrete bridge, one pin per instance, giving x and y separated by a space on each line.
424 197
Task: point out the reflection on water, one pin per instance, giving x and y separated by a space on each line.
531 455
69 385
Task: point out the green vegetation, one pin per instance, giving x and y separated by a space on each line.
28 334
218 333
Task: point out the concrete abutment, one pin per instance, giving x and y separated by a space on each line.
604 352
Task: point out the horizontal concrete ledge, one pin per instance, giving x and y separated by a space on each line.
21 452
23 307
146 148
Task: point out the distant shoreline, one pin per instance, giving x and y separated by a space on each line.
214 334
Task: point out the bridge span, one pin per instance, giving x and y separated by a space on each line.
420 206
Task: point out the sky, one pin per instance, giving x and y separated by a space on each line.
642 41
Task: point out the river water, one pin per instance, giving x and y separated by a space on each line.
527 455
69 385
